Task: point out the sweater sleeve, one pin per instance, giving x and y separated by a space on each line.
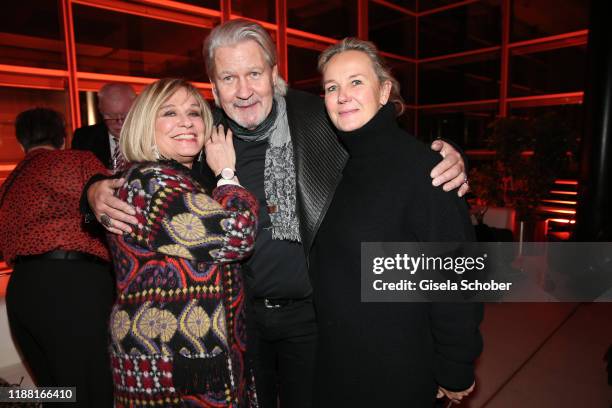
176 217
455 326
457 343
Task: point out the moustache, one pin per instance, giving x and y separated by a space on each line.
242 103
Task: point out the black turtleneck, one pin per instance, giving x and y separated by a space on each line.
375 354
373 138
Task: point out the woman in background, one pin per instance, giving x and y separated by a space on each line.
177 326
383 354
61 290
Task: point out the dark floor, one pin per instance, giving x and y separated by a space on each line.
544 355
536 355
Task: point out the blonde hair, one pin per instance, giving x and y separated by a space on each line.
234 32
381 69
137 140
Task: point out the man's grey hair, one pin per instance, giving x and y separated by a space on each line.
116 90
234 32
381 69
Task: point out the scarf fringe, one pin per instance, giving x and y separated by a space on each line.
195 375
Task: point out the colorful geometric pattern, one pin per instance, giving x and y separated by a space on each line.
142 374
177 326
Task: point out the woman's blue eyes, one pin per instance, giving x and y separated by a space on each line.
333 88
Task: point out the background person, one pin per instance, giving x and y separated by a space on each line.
383 354
102 139
177 326
60 292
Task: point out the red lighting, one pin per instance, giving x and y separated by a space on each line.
559 202
557 210
561 220
563 192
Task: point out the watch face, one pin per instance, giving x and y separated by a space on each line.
227 173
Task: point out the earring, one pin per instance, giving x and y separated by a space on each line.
156 152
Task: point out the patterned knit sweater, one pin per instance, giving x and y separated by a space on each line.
177 327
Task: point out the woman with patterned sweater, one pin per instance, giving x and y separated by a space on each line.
177 326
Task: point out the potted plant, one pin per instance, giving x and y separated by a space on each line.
530 154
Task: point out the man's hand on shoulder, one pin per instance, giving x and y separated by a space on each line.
114 214
450 172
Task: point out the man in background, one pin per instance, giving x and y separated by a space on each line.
102 139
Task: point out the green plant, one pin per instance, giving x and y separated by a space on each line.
530 154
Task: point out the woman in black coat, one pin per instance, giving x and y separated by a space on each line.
384 354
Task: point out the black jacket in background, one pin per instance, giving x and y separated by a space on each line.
94 138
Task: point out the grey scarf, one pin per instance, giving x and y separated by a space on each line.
279 173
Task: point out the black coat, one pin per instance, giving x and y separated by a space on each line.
387 354
94 138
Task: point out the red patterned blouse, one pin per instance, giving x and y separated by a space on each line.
39 207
